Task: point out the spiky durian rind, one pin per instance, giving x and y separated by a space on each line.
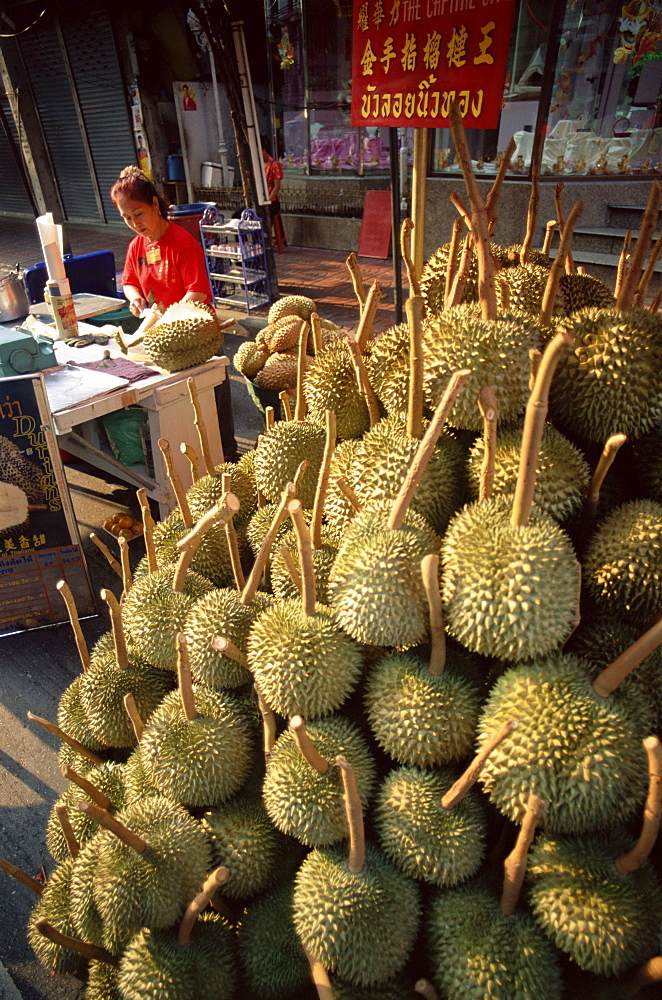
54 906
271 955
279 452
243 839
220 613
291 305
103 688
331 384
108 778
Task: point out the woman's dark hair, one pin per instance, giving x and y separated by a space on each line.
133 183
264 142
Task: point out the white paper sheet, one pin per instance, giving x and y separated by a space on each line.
51 244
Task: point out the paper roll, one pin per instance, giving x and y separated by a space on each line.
51 244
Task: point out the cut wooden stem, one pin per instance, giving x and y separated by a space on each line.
652 811
295 510
269 730
425 449
134 716
217 878
92 952
349 493
364 383
552 286
605 462
269 417
357 280
228 648
127 579
108 822
655 304
535 357
622 262
534 425
406 231
320 978
430 571
81 645
302 362
426 989
632 276
323 480
231 539
102 547
504 294
148 530
414 308
560 215
218 515
534 198
514 867
462 274
642 975
69 740
495 190
119 639
316 328
193 460
354 814
549 236
285 403
487 405
291 567
306 746
200 426
86 786
452 262
22 877
299 474
73 846
642 287
465 215
255 575
176 483
365 332
608 679
468 779
185 680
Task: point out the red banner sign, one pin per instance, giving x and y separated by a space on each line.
412 58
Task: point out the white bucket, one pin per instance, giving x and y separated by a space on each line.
211 174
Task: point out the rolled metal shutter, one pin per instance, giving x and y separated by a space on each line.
13 196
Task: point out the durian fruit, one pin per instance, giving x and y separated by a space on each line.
72 753
244 841
331 384
249 359
302 662
18 473
583 291
302 787
623 562
291 305
103 784
72 719
280 335
272 959
197 746
423 712
358 916
338 510
54 907
562 473
261 521
433 277
598 898
220 612
609 382
510 256
397 989
188 334
195 960
481 947
388 369
102 982
137 780
649 464
279 453
526 285
279 372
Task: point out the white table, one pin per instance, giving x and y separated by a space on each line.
86 305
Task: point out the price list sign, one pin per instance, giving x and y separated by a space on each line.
411 59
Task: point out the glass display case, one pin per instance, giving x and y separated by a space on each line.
235 258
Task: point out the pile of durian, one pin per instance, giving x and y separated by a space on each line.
378 712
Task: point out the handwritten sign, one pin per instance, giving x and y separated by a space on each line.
412 58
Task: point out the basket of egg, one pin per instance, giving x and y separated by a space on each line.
122 525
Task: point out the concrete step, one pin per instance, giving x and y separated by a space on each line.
628 216
601 239
605 265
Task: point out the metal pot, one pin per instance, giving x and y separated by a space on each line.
13 299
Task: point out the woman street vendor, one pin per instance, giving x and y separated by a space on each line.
164 264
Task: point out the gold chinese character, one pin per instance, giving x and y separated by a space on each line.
485 56
378 13
457 47
388 54
368 59
9 545
432 50
363 17
408 57
38 540
395 13
24 542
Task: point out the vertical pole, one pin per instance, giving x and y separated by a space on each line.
394 155
419 177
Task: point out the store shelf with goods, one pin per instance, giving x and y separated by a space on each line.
235 258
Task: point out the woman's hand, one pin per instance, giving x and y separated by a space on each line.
137 305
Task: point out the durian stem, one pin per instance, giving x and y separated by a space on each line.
217 878
302 360
200 426
320 978
363 382
148 530
655 304
318 343
552 286
295 510
560 215
468 779
255 575
228 648
349 493
426 989
605 463
622 262
323 480
307 747
357 280
185 680
285 403
504 294
119 639
127 579
406 231
365 332
73 846
460 279
69 740
86 786
414 308
642 975
112 561
534 425
22 877
534 198
176 483
269 417
81 645
452 263
108 822
495 190
549 236
632 274
535 357
652 811
218 515
354 814
231 539
291 567
608 679
487 405
642 288
479 224
430 571
425 449
269 731
134 716
193 460
299 474
514 867
93 952
456 200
